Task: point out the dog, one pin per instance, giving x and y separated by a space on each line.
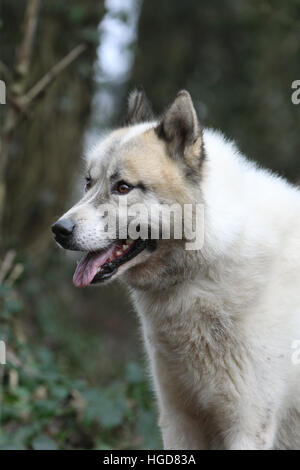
219 322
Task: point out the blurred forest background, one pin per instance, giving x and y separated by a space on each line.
75 374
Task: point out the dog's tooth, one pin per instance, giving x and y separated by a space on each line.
99 269
124 247
118 253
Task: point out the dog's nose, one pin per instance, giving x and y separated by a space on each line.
63 228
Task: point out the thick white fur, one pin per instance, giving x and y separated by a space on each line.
219 323
220 341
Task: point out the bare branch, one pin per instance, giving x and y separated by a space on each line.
29 26
7 264
15 102
17 86
48 78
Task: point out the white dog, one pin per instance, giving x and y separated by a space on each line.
219 322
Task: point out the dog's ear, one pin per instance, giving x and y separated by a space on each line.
139 108
181 130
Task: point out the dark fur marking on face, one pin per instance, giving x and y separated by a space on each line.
141 186
191 175
115 177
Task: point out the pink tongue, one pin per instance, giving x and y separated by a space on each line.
88 266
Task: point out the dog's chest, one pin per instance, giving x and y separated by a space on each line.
194 346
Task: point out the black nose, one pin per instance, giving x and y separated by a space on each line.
63 229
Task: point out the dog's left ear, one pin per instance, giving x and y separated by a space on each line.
139 108
181 130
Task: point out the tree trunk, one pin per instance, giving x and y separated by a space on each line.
42 151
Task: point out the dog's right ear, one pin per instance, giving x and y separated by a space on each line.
139 108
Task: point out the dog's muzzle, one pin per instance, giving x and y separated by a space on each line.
63 232
101 264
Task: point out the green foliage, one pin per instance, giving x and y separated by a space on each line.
45 406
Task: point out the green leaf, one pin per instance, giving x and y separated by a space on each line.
4 290
146 427
43 442
109 406
11 307
46 408
134 373
13 446
59 392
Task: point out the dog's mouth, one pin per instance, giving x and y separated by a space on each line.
101 265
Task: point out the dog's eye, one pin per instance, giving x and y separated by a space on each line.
122 187
88 183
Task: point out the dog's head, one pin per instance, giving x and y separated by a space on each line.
147 165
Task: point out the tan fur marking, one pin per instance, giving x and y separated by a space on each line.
146 160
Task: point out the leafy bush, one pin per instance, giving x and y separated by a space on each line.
43 407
